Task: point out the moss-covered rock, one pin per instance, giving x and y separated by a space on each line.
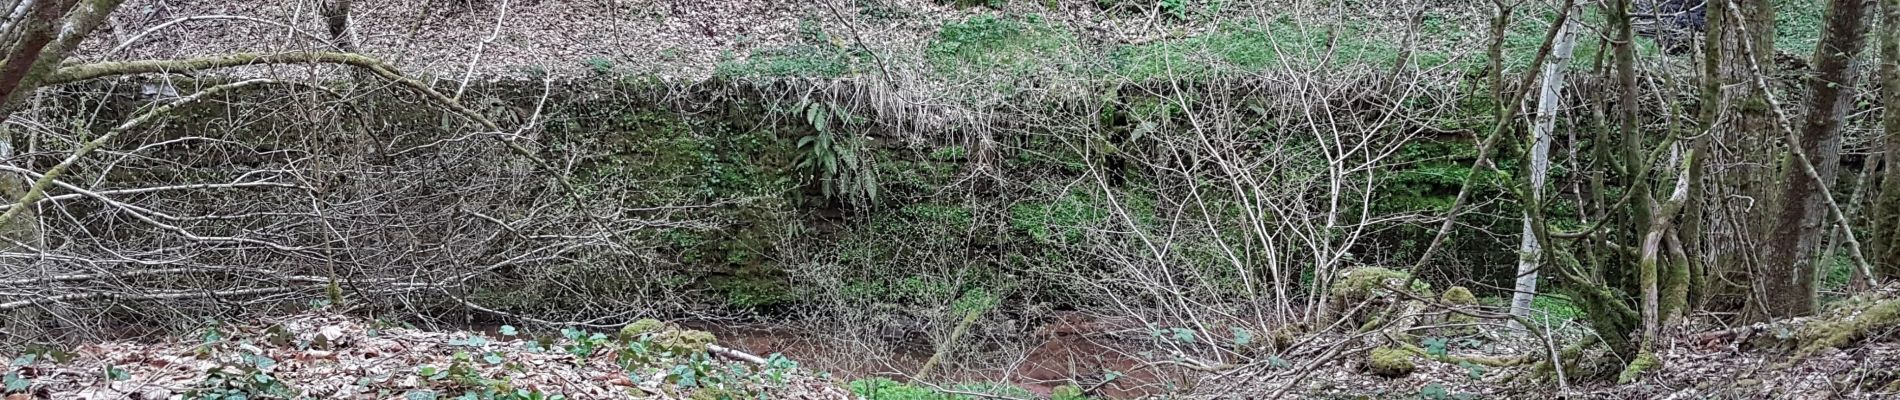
1390 362
1368 284
1461 298
1283 337
1067 392
1458 296
662 336
640 328
683 341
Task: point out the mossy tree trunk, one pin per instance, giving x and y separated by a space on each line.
1885 238
1637 279
1648 231
1740 33
38 40
1802 212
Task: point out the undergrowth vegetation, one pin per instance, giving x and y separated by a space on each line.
1212 178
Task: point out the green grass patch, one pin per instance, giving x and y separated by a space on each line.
1251 46
817 54
953 217
949 153
1550 310
1471 37
886 389
1554 310
987 44
1837 271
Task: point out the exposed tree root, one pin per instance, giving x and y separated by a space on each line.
1644 362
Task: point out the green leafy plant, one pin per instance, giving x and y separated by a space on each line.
1067 392
1276 362
1436 347
886 389
114 373
600 65
1554 310
700 373
1182 335
462 376
882 10
777 366
12 380
1472 370
582 343
249 379
836 160
15 383
978 3
1175 8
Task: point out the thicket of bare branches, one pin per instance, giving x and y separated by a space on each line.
288 192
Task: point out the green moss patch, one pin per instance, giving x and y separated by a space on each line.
1849 322
1364 283
1390 362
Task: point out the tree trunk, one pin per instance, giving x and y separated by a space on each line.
1548 100
1740 34
36 43
336 18
1885 215
1634 159
1801 212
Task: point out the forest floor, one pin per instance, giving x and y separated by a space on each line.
678 40
325 355
1716 369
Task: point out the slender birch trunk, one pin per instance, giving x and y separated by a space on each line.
1549 99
